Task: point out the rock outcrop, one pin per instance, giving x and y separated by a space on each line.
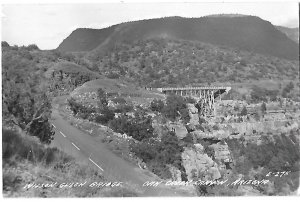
215 135
193 113
198 164
222 153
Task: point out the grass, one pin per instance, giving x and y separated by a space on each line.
26 161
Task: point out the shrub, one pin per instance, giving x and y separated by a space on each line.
263 108
119 100
139 127
123 108
175 105
244 111
157 154
157 105
106 116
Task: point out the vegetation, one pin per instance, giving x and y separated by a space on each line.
167 62
174 108
65 76
244 111
26 104
80 110
158 154
287 89
157 105
263 108
139 127
259 94
281 155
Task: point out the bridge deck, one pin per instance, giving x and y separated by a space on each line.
195 88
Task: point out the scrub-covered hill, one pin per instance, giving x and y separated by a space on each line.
245 32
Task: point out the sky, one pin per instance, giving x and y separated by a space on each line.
46 25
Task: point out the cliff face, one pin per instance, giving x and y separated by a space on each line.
210 156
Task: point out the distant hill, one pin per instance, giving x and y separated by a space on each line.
292 33
244 32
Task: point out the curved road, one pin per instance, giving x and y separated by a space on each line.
87 150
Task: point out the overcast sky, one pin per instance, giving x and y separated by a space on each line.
48 24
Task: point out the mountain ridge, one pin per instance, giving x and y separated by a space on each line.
249 33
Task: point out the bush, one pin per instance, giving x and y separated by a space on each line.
263 108
123 108
106 116
25 148
119 100
32 47
244 111
79 109
175 105
190 100
157 105
157 154
139 127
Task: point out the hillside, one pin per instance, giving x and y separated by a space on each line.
70 68
85 39
88 91
244 32
164 62
292 33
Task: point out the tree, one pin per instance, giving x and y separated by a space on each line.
4 44
287 89
236 107
105 117
157 105
175 105
32 47
30 113
102 99
185 116
138 127
25 102
244 111
263 108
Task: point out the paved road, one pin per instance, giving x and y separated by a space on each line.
88 151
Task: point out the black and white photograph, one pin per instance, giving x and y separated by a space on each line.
150 99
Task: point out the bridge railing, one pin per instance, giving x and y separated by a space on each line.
195 88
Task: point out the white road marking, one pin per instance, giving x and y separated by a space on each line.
75 146
62 134
53 125
96 164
